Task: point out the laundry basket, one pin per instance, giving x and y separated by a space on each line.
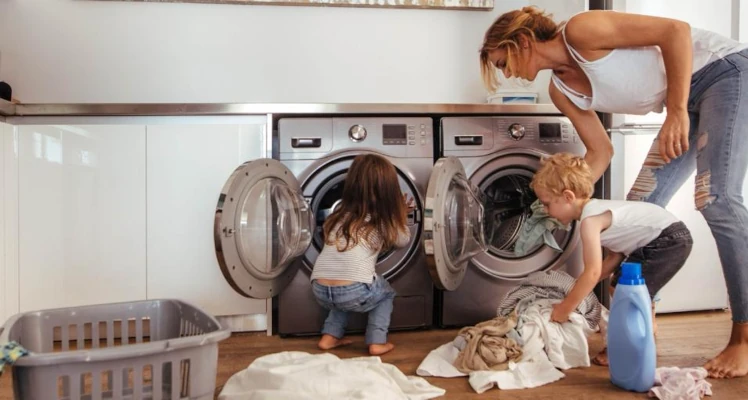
155 349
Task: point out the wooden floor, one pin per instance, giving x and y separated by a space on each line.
683 340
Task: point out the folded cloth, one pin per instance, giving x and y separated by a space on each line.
673 383
302 376
537 230
549 285
487 347
11 352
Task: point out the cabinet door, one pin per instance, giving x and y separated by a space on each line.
8 222
714 15
81 215
187 167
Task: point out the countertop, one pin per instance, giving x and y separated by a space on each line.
173 109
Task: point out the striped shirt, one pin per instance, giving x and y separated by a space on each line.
357 263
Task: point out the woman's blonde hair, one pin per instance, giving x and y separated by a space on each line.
372 201
564 171
505 33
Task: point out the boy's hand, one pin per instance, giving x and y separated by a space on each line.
560 313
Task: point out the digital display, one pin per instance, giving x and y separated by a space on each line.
550 131
395 132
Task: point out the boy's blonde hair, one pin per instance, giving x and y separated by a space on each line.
564 171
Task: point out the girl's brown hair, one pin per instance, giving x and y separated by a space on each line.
371 189
505 32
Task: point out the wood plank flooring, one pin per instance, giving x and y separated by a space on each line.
683 340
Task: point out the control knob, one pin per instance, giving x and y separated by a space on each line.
516 131
357 133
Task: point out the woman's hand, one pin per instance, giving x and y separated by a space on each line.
673 135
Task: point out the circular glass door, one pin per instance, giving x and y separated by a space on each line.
505 184
324 190
453 223
262 225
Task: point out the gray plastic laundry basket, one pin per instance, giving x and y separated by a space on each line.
155 349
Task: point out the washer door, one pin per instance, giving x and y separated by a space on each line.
505 183
453 223
262 224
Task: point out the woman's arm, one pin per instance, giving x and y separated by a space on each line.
590 130
606 30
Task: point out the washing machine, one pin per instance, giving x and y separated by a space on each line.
269 218
500 156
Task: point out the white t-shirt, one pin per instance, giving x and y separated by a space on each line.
633 223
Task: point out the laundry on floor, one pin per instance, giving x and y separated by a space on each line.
523 319
538 230
10 353
303 376
549 285
486 346
547 347
673 383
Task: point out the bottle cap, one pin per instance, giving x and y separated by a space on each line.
631 274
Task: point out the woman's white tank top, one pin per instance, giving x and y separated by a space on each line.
632 80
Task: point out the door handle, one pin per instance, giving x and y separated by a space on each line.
306 142
473 140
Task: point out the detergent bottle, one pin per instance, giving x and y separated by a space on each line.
632 355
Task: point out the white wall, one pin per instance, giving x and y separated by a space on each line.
743 27
88 51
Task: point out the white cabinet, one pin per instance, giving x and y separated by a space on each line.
700 284
82 214
188 165
8 223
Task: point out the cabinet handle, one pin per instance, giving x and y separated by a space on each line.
636 127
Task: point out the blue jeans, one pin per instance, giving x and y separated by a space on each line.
718 150
375 298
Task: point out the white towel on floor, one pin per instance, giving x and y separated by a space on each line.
294 375
673 383
548 346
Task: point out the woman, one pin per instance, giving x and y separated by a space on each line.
634 64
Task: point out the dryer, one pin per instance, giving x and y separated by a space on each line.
500 156
270 213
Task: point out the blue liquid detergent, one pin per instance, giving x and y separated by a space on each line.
632 355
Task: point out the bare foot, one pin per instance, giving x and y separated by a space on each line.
601 358
732 362
330 342
379 349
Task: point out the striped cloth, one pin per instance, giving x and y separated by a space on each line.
357 263
550 285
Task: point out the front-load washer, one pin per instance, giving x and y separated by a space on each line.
270 216
500 156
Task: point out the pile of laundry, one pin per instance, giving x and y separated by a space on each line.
521 348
